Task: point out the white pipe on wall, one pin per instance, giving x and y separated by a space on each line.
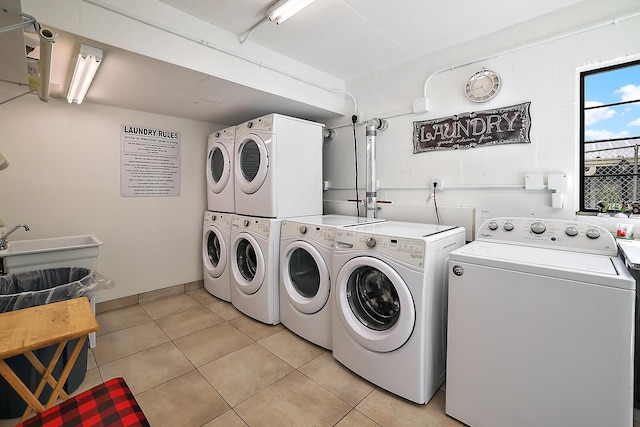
372 186
47 39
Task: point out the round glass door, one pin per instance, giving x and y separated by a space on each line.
214 252
249 267
374 304
373 298
305 277
218 167
252 163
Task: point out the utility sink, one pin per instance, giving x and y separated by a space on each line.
39 254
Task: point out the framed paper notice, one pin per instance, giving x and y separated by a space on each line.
149 162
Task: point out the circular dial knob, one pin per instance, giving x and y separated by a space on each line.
493 225
508 226
250 125
246 222
371 242
214 217
592 233
571 231
538 228
303 229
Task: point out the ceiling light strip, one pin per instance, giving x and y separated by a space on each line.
285 9
89 60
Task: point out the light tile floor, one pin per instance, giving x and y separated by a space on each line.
194 360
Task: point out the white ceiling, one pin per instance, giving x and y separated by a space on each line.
345 38
349 38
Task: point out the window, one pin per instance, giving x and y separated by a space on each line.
610 137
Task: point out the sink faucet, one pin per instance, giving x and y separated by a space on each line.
3 238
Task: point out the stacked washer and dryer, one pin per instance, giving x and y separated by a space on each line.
274 170
370 290
217 218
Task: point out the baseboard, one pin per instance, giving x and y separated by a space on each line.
117 303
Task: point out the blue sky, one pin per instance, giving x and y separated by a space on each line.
610 87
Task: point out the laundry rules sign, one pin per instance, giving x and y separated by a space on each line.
508 125
149 162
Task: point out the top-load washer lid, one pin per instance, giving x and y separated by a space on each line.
590 268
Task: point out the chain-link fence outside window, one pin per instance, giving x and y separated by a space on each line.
611 177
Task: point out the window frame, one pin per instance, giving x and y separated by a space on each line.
583 74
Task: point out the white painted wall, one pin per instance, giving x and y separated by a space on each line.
546 75
64 179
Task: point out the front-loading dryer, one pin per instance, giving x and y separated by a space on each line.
390 304
216 235
278 167
220 178
306 259
255 244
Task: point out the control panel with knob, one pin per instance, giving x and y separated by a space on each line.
571 231
549 233
371 242
538 227
262 227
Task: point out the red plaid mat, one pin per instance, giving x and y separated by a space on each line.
109 404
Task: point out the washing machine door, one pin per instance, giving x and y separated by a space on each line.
249 266
214 252
252 163
218 167
374 304
305 277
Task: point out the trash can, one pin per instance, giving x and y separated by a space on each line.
32 288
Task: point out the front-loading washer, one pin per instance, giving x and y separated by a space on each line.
278 167
216 235
541 327
255 244
390 306
306 260
220 164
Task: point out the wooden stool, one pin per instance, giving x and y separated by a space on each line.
23 331
108 404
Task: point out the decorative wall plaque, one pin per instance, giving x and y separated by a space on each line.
508 125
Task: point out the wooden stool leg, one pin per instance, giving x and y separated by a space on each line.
47 377
66 371
46 373
19 387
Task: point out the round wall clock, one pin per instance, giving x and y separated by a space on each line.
482 86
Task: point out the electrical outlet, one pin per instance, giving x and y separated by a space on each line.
438 183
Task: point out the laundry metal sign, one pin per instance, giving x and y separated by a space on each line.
508 125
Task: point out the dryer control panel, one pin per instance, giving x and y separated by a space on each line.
549 233
411 251
321 234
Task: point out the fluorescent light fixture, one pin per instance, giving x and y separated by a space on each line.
285 9
88 61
